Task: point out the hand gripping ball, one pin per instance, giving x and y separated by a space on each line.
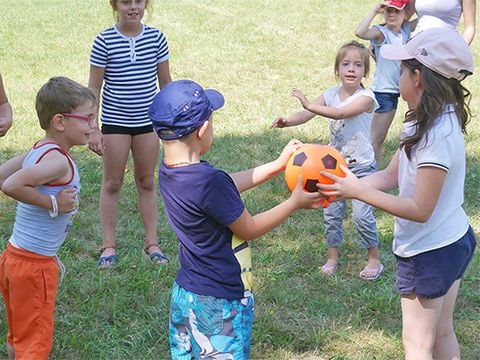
308 160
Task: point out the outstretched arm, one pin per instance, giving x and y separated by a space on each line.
247 179
298 118
418 207
469 15
358 106
364 31
249 227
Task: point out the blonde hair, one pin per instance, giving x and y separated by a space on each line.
60 95
353 45
148 7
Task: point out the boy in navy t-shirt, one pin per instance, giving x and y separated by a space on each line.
211 310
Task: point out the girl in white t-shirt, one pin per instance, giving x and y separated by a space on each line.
349 108
433 241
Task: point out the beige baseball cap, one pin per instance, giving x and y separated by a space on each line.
441 50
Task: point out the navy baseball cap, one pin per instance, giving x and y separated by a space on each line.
181 107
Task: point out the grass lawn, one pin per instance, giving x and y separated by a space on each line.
254 53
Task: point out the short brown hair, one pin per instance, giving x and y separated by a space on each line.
60 95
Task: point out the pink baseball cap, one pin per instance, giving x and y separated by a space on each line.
397 4
439 49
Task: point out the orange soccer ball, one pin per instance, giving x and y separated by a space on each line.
308 160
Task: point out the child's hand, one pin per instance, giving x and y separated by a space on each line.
279 122
380 7
347 187
306 200
67 200
300 96
95 143
287 151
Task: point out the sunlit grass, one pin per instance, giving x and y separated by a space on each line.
254 52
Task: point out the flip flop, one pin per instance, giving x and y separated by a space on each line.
156 257
370 274
106 262
329 269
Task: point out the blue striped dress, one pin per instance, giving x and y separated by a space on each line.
130 80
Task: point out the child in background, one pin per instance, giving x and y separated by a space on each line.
46 184
211 311
433 241
446 14
5 111
349 108
396 30
128 59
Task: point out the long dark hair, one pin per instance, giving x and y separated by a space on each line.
438 92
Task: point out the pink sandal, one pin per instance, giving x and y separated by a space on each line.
371 273
329 269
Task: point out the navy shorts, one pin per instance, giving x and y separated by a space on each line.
386 101
432 273
132 131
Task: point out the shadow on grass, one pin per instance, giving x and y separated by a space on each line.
123 313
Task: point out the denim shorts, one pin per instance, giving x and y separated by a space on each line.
208 327
386 101
432 273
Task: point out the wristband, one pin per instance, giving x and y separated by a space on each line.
54 212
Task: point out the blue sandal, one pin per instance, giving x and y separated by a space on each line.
106 262
156 257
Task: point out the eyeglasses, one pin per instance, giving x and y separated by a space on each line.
90 118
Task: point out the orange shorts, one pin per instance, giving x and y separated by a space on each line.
29 283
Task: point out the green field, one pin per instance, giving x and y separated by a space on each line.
254 53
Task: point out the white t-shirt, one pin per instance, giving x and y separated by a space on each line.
351 136
435 13
443 148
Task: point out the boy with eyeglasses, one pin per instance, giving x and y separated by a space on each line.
46 184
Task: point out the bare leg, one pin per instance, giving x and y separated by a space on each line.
10 352
115 156
145 154
373 257
380 124
446 344
420 318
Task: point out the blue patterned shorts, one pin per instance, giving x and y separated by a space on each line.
206 327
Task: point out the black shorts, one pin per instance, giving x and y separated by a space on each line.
432 273
132 131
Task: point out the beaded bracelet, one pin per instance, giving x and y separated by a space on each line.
54 212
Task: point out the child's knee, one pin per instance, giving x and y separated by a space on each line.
146 183
113 184
415 343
